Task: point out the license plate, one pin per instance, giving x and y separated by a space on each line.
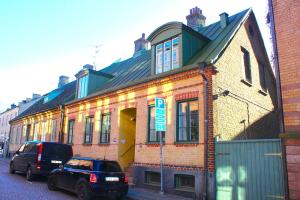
111 178
56 161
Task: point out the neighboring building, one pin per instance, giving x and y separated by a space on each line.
217 82
285 19
42 120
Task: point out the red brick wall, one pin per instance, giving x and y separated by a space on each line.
287 20
293 167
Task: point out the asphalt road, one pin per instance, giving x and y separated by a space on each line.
15 187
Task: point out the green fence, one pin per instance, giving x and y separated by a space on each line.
249 170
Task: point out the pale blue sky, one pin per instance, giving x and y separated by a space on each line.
41 40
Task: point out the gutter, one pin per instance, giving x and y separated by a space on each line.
61 124
206 118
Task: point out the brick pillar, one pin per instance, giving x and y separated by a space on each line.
292 151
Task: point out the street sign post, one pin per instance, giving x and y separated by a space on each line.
160 126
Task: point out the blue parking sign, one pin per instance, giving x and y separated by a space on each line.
160 114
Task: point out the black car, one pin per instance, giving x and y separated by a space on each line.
39 158
90 178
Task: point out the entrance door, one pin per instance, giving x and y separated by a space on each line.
127 137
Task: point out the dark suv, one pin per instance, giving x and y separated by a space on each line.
89 178
39 158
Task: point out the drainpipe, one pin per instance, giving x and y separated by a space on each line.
61 124
205 175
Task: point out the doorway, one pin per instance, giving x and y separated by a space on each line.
127 137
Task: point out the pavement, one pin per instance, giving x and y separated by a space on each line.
15 186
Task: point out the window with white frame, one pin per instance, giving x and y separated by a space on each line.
36 131
82 86
53 130
44 131
167 55
105 128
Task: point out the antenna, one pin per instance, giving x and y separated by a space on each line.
97 49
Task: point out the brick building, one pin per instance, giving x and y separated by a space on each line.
217 83
285 19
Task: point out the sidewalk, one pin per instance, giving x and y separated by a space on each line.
146 194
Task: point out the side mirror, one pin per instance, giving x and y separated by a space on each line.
61 167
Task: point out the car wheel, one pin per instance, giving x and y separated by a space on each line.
121 197
83 191
29 175
51 183
11 168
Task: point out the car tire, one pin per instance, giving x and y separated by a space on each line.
83 191
121 197
29 175
51 183
11 168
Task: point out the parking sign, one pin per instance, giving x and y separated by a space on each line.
160 114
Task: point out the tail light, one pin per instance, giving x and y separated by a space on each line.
126 179
93 178
39 155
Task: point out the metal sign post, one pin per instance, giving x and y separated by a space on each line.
160 127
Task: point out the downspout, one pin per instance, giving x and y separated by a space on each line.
206 118
61 124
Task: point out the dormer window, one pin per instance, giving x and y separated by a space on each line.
82 86
167 57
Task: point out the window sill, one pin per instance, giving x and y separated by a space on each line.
87 144
154 144
153 184
248 83
185 189
263 92
70 144
104 144
187 143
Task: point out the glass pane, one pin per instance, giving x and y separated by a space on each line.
105 128
182 121
175 52
194 121
159 58
167 56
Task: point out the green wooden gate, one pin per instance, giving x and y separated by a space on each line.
249 170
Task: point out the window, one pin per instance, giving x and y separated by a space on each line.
185 182
262 77
152 178
166 55
28 127
53 130
82 86
72 163
44 131
187 121
247 66
70 131
36 131
153 135
109 166
105 128
88 133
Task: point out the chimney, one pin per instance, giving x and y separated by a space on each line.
34 96
140 44
63 80
88 66
223 19
195 19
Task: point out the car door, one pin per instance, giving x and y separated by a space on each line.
18 157
65 179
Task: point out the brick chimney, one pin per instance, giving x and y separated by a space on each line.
195 19
140 44
223 19
63 80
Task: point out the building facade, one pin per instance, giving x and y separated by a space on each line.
217 84
284 21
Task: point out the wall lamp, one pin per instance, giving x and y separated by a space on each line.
223 93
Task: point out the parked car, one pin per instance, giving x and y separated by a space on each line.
90 178
39 158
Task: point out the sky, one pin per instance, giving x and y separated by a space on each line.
41 40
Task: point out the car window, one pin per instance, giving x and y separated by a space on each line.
56 149
109 166
72 163
22 148
85 165
30 148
